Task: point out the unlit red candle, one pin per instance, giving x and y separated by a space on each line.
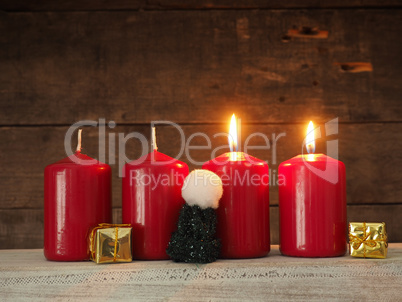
152 201
77 198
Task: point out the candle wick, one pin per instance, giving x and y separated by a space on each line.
310 148
238 133
79 141
154 146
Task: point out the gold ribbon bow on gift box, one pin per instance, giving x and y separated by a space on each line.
356 241
92 240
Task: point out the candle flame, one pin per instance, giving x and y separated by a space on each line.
233 134
310 140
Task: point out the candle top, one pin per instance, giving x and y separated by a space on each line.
237 157
311 158
79 158
156 157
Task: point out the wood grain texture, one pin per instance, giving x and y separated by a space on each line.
23 228
198 66
370 152
195 63
354 67
89 5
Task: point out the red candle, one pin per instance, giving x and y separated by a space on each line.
243 212
312 205
152 201
77 198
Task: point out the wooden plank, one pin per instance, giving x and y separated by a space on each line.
199 66
372 176
275 4
23 228
89 5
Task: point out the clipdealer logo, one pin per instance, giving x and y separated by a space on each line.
107 141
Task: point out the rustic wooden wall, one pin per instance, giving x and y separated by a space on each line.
277 64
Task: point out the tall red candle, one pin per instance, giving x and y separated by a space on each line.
152 201
77 198
243 212
312 206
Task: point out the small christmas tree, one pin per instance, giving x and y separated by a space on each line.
194 241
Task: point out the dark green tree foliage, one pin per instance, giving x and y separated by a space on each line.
194 241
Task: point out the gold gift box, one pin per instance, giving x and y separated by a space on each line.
368 240
110 243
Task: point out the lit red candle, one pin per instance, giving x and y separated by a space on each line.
312 204
77 198
152 201
243 212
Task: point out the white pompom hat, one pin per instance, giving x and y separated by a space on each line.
202 188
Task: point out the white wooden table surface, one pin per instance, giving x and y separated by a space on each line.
25 275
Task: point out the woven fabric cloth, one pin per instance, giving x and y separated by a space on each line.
25 275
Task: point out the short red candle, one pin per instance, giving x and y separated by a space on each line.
152 202
77 198
312 206
243 212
